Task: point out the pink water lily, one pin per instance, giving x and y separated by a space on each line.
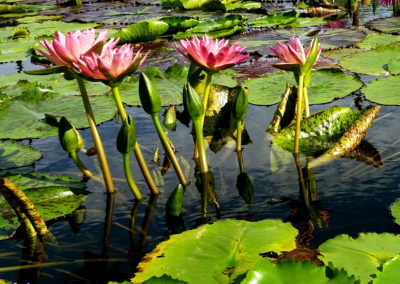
292 55
213 54
64 50
112 64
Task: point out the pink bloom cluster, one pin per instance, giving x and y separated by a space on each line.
211 54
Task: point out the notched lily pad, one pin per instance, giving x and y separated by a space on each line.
14 155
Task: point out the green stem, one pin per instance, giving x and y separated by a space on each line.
303 187
80 164
299 114
168 149
240 160
129 178
205 96
200 145
306 106
96 137
138 152
239 136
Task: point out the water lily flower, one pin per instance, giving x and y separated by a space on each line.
113 64
213 54
64 50
294 56
386 2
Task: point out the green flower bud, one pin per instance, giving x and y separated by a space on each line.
70 139
149 97
170 118
240 104
192 102
126 138
175 202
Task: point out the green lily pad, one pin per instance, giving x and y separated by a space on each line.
395 209
142 31
383 90
374 40
162 280
360 257
242 5
291 272
38 19
289 19
13 155
177 24
16 49
185 4
53 196
385 25
394 66
210 254
326 85
371 62
390 272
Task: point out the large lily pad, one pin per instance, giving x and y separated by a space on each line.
13 155
291 272
390 272
142 31
53 196
374 40
326 85
385 25
210 254
371 62
360 257
290 19
383 90
395 209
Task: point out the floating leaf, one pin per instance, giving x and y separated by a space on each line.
13 155
142 31
53 196
161 280
374 40
291 272
372 61
394 66
385 25
186 4
390 272
210 254
395 209
242 5
362 256
326 85
274 20
383 90
182 23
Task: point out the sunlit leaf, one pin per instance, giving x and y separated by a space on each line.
383 90
142 31
362 256
13 155
210 254
390 272
395 209
374 40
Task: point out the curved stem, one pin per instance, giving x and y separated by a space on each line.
239 136
96 137
138 152
201 147
80 164
205 96
306 106
168 149
129 178
299 114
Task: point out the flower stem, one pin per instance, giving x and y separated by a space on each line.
205 96
200 145
168 149
96 137
306 106
129 178
80 164
138 152
299 114
240 160
239 136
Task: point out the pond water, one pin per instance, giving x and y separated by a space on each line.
88 247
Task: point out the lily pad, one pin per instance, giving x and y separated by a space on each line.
390 272
289 19
13 155
362 256
371 62
385 25
186 4
326 85
53 196
210 254
395 209
291 272
394 66
374 40
383 90
142 31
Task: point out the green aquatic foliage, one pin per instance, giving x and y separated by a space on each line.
126 138
142 31
394 66
374 40
149 96
170 118
224 5
385 25
362 256
371 62
390 272
210 254
14 155
70 138
175 201
383 90
291 272
162 280
53 196
326 85
395 210
274 20
179 23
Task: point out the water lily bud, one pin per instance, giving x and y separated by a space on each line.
170 118
312 56
126 138
192 102
240 104
175 201
149 97
70 138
